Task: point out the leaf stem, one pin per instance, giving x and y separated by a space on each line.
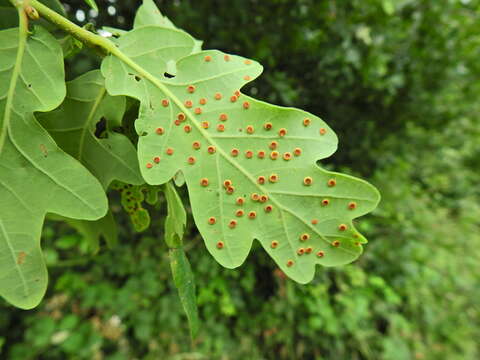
85 36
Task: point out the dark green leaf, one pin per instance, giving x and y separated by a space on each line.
185 283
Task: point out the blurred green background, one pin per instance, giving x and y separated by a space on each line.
399 82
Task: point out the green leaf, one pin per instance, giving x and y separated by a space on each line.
70 46
149 14
92 231
92 4
132 198
151 193
55 5
36 176
109 157
8 17
304 213
185 283
182 273
388 7
176 219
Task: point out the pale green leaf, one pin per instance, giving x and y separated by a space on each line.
307 212
36 176
185 283
176 219
149 14
179 179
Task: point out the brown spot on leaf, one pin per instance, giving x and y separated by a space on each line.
331 182
304 237
307 181
21 257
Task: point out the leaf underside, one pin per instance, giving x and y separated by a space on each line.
36 176
250 167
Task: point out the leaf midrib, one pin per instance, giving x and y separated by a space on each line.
22 41
147 75
90 116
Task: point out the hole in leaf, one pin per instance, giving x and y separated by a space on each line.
100 128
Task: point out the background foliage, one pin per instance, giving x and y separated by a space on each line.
398 82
